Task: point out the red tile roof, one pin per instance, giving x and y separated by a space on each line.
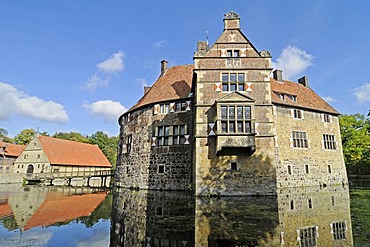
5 209
57 208
63 152
174 84
11 149
306 97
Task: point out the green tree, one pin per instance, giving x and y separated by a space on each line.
108 145
4 136
71 136
354 130
25 136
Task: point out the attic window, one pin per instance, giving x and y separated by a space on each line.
293 98
233 53
282 96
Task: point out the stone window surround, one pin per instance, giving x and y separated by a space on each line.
299 140
235 120
233 166
338 230
231 84
161 169
326 118
297 114
328 142
312 232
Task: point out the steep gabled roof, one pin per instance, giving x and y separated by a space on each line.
11 149
306 97
174 84
63 152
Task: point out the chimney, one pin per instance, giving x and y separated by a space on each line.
202 47
278 75
164 66
231 21
303 81
146 89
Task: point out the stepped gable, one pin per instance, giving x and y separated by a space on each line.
174 84
63 152
306 97
11 149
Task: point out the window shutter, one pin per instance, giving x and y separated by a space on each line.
330 119
211 130
336 145
292 113
322 117
172 107
308 143
248 86
218 86
156 109
322 144
302 113
154 141
223 53
186 139
291 142
243 52
188 105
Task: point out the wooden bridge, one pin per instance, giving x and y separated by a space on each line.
34 178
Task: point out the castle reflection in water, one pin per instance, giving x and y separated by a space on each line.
296 217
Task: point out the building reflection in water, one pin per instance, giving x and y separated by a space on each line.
296 217
46 206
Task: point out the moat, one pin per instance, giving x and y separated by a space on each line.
55 216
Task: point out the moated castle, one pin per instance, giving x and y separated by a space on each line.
222 126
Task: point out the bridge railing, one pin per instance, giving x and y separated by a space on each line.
70 174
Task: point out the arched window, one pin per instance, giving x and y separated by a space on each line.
30 169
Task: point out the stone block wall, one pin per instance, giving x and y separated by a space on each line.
139 168
308 166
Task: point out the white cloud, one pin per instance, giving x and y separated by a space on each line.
329 99
141 81
160 44
113 64
107 109
105 70
13 101
96 81
362 92
293 62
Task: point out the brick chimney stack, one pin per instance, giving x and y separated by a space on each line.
278 75
231 21
164 66
304 81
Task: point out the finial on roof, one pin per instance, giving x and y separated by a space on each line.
231 15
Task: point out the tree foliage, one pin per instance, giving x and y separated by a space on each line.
108 145
4 136
355 132
71 136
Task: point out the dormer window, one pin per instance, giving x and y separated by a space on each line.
282 96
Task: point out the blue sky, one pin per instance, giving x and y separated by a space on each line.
77 65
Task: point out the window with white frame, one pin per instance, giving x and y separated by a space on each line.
233 81
326 118
164 108
308 236
329 142
236 119
339 230
298 114
299 139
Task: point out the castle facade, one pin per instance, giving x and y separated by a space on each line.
223 126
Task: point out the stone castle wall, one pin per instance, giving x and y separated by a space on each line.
139 168
308 166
